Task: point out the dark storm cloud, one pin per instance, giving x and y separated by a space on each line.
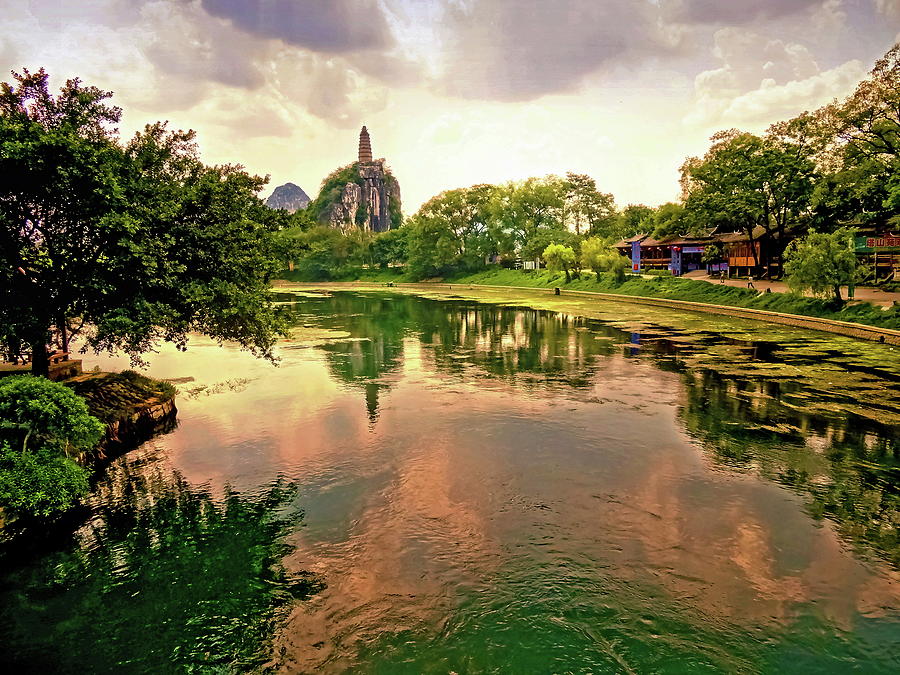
522 50
331 26
734 12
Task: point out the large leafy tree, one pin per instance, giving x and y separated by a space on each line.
528 213
136 241
587 209
668 220
761 185
861 150
452 230
633 219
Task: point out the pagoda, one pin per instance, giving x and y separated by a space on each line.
365 147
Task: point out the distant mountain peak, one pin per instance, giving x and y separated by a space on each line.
288 197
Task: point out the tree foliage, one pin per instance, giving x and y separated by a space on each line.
751 183
560 258
821 263
586 209
860 151
669 220
599 256
35 412
42 424
138 241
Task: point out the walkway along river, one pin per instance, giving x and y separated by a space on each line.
491 487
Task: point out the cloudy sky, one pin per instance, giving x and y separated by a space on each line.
457 92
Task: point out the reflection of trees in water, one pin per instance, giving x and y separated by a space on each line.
848 467
509 342
377 326
165 577
502 342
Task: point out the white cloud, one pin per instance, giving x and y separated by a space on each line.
762 80
774 102
888 7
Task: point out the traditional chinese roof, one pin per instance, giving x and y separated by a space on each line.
626 243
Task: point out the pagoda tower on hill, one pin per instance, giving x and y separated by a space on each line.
365 147
364 195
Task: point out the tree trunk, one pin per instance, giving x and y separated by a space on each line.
568 276
753 250
40 361
837 295
63 334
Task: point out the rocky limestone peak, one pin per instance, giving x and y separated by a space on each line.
288 197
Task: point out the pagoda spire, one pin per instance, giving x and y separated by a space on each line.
365 147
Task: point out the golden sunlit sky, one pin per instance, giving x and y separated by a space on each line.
457 92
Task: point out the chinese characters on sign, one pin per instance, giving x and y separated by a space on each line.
882 242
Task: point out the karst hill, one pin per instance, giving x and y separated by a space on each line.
361 195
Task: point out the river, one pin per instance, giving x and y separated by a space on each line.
433 484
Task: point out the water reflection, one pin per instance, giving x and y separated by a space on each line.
491 487
847 467
751 412
164 577
562 490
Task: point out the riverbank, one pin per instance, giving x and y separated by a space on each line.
663 287
132 406
576 301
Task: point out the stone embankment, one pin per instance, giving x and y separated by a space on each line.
133 407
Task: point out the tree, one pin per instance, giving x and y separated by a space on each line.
322 252
390 247
759 185
601 257
821 263
42 424
38 413
713 252
585 208
861 149
559 258
521 212
632 220
139 241
669 220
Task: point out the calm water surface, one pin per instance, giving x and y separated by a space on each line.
442 486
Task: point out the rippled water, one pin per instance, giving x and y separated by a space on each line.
488 488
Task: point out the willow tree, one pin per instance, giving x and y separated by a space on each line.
135 242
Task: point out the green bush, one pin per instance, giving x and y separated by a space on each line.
39 483
42 423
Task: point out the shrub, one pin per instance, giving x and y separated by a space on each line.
39 483
41 423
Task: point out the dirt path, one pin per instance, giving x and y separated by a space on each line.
873 295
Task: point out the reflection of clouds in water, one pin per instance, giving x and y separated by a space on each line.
441 440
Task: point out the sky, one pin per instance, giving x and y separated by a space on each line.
456 92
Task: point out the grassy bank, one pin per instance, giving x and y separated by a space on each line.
672 288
